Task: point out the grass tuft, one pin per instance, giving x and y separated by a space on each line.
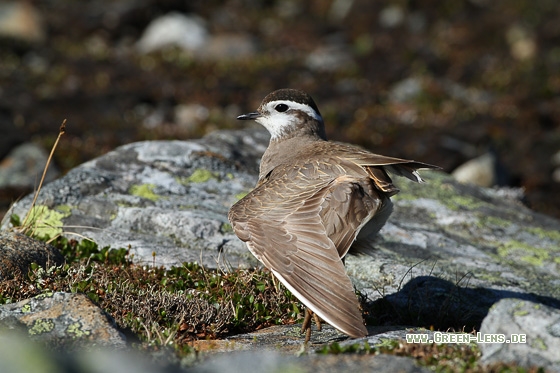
162 307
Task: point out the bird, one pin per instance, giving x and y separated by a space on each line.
313 200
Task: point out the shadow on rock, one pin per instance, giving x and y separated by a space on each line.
434 303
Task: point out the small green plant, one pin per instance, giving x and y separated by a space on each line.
29 223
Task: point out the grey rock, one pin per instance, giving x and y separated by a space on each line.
391 16
412 88
541 326
19 354
406 90
11 134
20 20
185 31
339 10
62 320
468 95
522 42
556 175
167 199
332 57
18 252
189 32
479 171
23 167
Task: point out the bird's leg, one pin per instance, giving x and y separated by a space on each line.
306 326
317 321
306 321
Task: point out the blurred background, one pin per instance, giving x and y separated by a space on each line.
443 82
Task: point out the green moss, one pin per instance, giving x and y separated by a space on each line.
65 209
201 175
438 187
535 256
456 202
76 330
545 233
145 191
513 249
46 294
45 222
41 326
26 308
226 228
494 221
539 343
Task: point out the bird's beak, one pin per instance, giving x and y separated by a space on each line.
249 116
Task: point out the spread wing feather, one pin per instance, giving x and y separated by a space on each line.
289 237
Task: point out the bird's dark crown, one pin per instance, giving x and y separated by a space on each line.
289 94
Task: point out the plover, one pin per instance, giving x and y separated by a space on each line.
314 199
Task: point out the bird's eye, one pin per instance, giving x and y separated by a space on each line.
281 108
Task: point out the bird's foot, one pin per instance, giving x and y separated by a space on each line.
306 326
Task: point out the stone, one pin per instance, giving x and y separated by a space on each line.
522 43
174 29
19 354
406 90
62 320
479 171
18 252
11 134
391 16
515 318
330 58
168 200
21 21
23 167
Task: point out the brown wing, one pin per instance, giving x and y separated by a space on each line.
349 202
374 162
281 223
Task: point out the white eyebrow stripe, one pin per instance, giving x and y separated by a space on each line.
297 106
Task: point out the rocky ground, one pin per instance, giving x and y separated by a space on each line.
452 257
